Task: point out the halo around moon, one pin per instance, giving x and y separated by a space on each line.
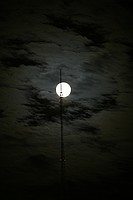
63 89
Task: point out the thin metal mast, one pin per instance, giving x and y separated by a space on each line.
62 141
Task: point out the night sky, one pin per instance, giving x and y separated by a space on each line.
92 42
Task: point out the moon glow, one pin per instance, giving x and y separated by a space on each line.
63 89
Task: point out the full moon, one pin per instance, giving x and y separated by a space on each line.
63 89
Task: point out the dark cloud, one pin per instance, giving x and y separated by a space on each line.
18 60
92 67
90 130
22 42
42 110
92 137
130 54
106 102
91 31
126 4
98 142
18 55
40 161
8 140
1 113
